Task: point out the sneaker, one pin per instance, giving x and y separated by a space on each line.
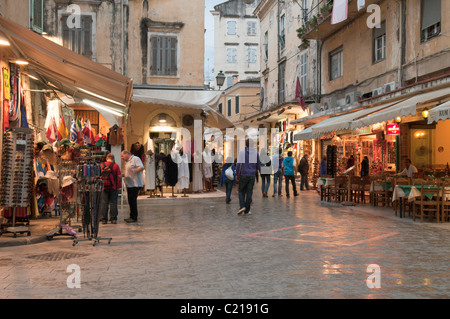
241 210
130 220
248 213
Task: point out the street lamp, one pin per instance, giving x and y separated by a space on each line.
220 79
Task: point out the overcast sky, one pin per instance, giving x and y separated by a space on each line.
209 38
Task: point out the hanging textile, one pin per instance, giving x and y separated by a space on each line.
23 113
14 102
340 11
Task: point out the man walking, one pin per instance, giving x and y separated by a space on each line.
278 173
133 181
111 176
303 168
289 173
248 165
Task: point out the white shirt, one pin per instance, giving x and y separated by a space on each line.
133 179
409 171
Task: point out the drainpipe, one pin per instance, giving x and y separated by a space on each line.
400 41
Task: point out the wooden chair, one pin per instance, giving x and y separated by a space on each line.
445 201
425 207
339 191
325 189
401 181
380 196
366 181
355 188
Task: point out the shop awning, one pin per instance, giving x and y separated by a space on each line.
307 134
62 69
189 99
439 113
403 108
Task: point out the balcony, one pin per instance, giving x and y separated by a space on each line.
319 26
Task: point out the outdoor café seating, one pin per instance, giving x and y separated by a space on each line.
427 203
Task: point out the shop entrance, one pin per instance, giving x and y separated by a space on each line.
422 147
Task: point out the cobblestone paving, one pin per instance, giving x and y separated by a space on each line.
288 248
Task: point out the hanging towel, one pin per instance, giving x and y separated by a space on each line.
340 11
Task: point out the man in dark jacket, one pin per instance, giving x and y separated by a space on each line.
248 165
303 168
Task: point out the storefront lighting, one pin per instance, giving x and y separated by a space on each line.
425 113
162 118
4 41
398 119
100 97
96 105
20 62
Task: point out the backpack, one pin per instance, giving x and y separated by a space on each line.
107 175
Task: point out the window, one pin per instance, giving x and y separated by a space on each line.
281 82
251 28
266 46
336 63
379 45
236 107
231 55
231 27
304 71
431 19
229 107
251 55
163 55
80 39
282 32
37 15
229 81
220 108
305 11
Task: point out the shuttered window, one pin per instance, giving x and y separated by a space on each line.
251 55
78 38
431 19
231 55
231 27
281 82
304 71
164 59
37 14
251 28
229 107
236 105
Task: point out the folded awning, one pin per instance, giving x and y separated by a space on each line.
62 69
439 113
189 99
403 108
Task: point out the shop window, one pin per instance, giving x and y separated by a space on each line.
431 19
336 63
163 55
379 36
78 38
37 15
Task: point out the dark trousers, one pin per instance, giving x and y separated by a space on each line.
246 184
228 189
304 181
292 179
277 179
133 193
265 178
109 203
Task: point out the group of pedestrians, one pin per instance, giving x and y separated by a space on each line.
250 164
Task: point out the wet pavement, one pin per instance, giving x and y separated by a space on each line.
294 247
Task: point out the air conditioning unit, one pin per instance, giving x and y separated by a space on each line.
377 91
352 97
340 102
329 103
391 86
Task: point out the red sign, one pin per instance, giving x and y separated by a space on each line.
393 129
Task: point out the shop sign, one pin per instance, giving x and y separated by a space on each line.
393 129
362 131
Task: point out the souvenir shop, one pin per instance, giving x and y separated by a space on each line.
51 148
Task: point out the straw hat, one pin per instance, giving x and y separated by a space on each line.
68 180
51 175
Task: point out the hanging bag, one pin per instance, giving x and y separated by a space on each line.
229 173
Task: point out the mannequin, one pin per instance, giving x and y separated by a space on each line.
161 167
197 178
150 171
172 172
183 172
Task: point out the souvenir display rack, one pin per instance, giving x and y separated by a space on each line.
332 160
90 188
17 175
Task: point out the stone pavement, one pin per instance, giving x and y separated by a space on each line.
294 247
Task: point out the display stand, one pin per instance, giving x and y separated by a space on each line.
90 189
17 175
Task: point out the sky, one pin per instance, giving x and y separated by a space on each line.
209 38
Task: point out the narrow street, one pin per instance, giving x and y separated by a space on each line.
288 248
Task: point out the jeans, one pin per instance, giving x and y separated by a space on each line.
109 200
265 183
304 181
133 193
228 189
277 179
292 179
246 184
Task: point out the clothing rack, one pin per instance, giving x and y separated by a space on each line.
17 175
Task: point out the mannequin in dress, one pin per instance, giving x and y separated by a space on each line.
150 171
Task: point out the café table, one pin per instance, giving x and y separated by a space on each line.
322 182
409 191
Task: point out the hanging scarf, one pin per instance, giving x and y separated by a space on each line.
14 102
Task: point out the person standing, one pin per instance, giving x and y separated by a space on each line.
112 183
278 173
133 181
303 168
265 171
226 178
289 166
248 165
365 167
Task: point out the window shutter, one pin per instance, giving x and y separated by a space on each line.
37 15
237 105
86 36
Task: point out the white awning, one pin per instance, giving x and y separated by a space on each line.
60 68
403 108
307 134
193 99
439 113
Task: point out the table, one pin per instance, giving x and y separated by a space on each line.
378 185
323 181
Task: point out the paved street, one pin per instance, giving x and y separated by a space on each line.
288 248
